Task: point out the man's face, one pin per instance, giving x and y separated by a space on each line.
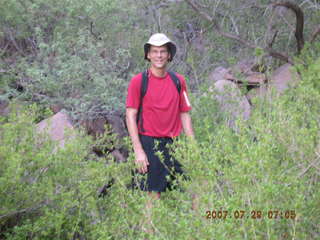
158 56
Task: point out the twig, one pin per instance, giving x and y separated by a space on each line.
91 31
25 210
33 45
237 38
15 44
5 47
304 171
273 39
286 21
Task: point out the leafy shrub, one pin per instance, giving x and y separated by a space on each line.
74 54
270 164
83 82
45 193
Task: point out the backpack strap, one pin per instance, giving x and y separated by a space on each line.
175 80
143 91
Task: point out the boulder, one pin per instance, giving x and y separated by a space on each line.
249 66
244 67
284 77
256 78
96 127
221 73
259 92
119 157
55 108
250 78
281 79
231 101
58 127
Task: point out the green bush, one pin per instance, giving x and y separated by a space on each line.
72 53
241 179
269 164
83 82
80 54
45 193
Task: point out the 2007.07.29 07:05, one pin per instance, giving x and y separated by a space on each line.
253 214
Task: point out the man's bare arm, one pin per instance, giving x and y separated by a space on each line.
140 156
187 124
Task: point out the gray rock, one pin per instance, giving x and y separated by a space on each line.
231 101
259 92
256 78
284 77
220 73
244 66
58 127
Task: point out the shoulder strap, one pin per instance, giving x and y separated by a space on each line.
175 80
144 84
143 91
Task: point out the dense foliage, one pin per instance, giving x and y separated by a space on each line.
260 181
243 180
80 54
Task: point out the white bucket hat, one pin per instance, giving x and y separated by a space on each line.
159 39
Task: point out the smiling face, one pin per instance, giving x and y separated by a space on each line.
159 56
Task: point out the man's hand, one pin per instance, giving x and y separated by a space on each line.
141 161
187 124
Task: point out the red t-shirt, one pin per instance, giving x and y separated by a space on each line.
162 104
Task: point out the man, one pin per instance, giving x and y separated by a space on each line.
163 115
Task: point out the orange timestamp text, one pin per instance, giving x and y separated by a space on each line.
252 214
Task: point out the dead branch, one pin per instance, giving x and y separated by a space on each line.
217 27
315 34
155 14
299 21
278 55
92 33
273 39
14 43
4 49
305 170
270 40
25 210
33 45
237 38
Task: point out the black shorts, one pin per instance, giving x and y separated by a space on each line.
163 170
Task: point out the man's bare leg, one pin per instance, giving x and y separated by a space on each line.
147 225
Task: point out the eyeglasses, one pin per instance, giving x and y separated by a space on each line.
157 52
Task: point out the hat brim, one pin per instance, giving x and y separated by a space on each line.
172 49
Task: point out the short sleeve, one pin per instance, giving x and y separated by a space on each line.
185 105
133 94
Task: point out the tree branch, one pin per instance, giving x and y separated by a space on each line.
217 27
244 42
278 55
25 210
272 40
14 43
299 21
6 45
197 9
92 33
